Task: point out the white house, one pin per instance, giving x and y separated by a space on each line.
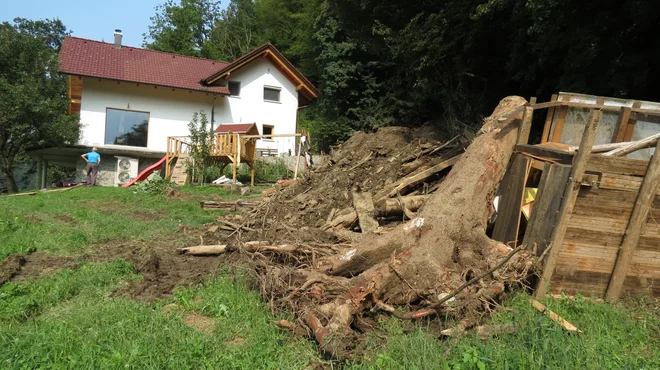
130 100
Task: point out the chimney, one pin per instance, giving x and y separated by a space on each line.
118 37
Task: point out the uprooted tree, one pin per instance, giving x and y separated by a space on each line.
431 264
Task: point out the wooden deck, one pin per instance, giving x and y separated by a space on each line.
226 148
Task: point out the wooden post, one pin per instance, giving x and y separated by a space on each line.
638 217
295 173
252 173
44 177
235 164
548 121
526 126
621 125
37 183
570 196
559 126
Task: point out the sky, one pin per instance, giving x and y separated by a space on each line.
90 19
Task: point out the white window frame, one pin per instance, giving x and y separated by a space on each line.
274 88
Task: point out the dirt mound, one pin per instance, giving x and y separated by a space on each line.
367 162
10 267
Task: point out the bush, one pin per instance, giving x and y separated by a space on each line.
155 184
263 172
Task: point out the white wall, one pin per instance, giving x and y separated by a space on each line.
169 111
250 105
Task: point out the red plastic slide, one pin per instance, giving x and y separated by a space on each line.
147 171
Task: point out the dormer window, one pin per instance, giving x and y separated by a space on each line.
234 88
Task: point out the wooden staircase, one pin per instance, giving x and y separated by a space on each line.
180 173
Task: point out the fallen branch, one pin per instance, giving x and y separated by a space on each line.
554 317
634 146
601 147
413 180
204 250
235 226
212 205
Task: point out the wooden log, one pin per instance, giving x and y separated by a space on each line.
211 205
554 317
631 237
364 206
601 148
204 250
346 218
570 196
395 188
634 146
395 207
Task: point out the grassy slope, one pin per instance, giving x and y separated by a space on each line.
69 319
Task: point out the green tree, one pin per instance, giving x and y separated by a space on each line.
236 31
201 141
33 99
184 28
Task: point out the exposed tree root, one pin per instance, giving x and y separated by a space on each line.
440 261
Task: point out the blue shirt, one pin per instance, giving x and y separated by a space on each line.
93 157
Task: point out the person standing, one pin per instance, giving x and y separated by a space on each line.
93 160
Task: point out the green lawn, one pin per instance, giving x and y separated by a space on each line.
72 319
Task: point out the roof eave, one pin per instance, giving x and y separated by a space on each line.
201 89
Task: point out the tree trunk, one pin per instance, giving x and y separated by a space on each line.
8 174
434 254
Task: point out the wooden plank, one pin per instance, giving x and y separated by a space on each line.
609 108
546 153
554 317
621 124
364 206
548 120
559 125
526 125
510 203
616 165
569 198
544 212
637 220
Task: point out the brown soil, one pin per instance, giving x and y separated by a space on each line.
146 216
158 261
66 219
10 267
39 264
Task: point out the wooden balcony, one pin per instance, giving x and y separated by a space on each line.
226 148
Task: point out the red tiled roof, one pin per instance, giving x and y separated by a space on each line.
100 59
237 128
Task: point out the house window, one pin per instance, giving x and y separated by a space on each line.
234 88
124 127
271 93
268 130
